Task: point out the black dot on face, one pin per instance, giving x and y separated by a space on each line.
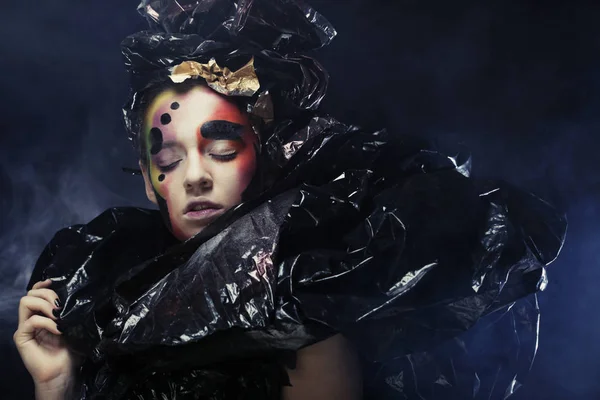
156 140
174 105
165 119
161 177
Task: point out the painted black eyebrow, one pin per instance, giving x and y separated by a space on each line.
222 130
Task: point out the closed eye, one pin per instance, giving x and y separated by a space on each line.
224 157
169 167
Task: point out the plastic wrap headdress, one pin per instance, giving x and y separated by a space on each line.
214 39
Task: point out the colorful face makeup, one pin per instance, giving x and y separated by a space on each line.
201 157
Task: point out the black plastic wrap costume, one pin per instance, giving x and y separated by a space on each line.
370 234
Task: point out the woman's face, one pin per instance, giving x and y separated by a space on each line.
201 157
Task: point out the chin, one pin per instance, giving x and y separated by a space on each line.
183 234
189 233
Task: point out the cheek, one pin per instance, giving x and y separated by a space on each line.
160 181
244 166
162 184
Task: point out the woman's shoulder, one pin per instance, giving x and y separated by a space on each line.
329 369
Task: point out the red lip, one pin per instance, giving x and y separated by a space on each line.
207 207
205 215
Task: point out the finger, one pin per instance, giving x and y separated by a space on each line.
48 294
30 306
42 284
28 329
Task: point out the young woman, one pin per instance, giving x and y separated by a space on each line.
283 234
199 158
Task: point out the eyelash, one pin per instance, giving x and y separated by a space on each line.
224 157
169 167
218 157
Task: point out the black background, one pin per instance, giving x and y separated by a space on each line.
518 82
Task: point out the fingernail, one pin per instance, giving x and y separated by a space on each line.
59 328
56 312
57 302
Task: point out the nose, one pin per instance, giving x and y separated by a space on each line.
197 178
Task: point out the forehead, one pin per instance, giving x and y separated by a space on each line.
197 105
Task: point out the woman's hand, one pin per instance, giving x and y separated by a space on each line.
41 345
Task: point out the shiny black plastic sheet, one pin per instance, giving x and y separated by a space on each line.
374 235
275 33
399 258
490 361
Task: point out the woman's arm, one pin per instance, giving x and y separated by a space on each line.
328 370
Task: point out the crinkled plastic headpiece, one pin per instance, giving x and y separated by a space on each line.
229 34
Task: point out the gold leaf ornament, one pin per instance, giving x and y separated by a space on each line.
242 82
